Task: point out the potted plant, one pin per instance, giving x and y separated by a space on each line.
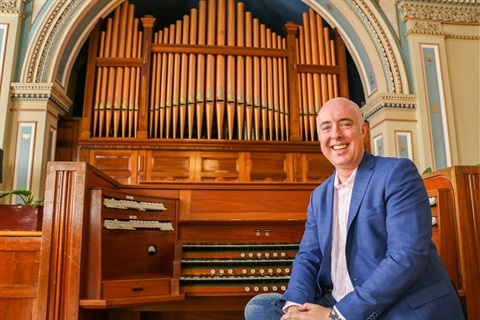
26 216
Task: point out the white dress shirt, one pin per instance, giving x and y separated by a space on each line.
342 285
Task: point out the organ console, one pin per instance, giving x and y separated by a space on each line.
165 247
205 249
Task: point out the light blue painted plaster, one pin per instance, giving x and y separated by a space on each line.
435 106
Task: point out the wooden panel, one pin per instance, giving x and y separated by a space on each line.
315 167
444 232
17 308
235 205
198 308
248 232
119 249
270 167
61 251
118 164
135 163
467 207
170 166
67 140
19 272
220 166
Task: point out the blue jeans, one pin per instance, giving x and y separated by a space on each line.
268 306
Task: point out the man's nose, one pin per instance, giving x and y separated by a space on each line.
336 132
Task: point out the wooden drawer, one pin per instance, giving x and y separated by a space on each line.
135 288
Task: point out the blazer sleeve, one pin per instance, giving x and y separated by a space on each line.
307 266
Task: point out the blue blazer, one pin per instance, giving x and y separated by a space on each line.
392 261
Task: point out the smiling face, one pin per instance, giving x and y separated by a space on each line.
341 131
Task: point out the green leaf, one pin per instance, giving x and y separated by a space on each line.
428 170
25 195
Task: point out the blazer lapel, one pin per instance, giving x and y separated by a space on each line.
325 234
362 179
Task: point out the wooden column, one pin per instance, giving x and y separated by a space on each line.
60 260
148 23
341 59
295 134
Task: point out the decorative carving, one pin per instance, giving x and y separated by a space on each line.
395 101
8 4
462 37
49 39
12 7
435 28
384 47
41 92
429 27
460 11
426 27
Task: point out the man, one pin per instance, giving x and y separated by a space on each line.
366 252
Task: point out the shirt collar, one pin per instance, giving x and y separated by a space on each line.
348 183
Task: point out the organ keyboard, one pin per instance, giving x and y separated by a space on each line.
230 268
113 224
130 203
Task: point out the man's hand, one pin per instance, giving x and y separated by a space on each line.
307 311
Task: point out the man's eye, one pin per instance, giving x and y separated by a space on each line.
346 124
325 128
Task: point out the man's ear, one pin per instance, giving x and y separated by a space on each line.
364 128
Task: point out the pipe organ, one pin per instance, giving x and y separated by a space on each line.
214 96
218 73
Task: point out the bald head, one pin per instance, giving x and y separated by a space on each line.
340 102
